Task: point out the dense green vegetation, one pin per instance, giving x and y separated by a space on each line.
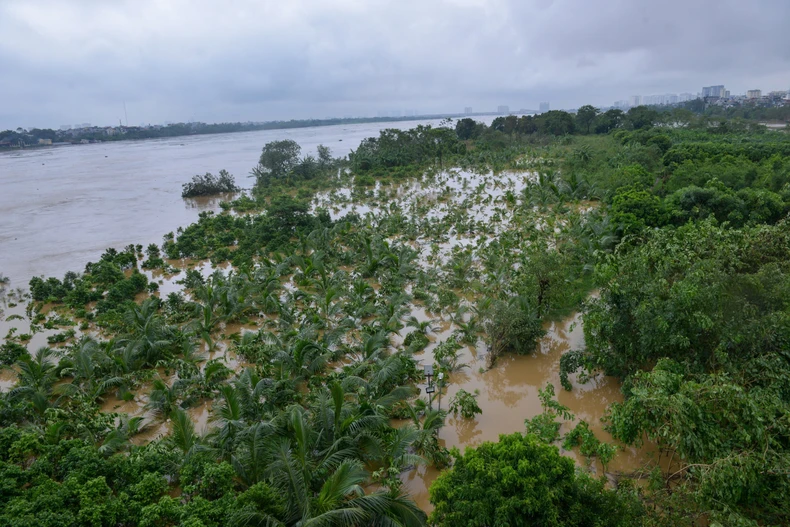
521 481
679 224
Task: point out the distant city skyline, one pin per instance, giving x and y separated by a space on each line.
539 107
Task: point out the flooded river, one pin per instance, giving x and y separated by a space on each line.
61 207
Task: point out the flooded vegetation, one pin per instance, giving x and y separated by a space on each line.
356 335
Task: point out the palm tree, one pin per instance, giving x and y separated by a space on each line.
228 416
118 438
252 454
303 359
183 436
421 326
86 365
397 454
37 375
149 337
251 390
163 399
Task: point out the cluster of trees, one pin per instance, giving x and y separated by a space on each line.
209 185
250 236
20 137
695 321
280 165
105 282
522 481
407 151
748 111
587 120
693 312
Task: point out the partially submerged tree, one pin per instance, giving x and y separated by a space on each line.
209 185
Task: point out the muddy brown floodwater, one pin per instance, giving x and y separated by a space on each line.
508 394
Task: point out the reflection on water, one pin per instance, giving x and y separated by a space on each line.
204 203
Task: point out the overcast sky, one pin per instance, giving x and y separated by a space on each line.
76 61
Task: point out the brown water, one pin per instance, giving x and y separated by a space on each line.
508 395
61 207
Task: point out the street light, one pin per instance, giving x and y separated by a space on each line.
428 369
440 382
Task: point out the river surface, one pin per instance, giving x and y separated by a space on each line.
61 207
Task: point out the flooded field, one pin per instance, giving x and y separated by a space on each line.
61 207
475 208
451 219
509 396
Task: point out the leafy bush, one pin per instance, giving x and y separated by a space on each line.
465 403
209 185
521 481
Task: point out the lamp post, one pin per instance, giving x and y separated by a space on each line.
440 384
428 369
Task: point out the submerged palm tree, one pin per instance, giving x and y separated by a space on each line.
149 337
36 377
319 485
88 365
118 439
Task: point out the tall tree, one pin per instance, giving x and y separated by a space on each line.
585 117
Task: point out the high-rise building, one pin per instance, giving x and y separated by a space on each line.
713 91
468 110
503 109
545 107
683 97
754 94
635 100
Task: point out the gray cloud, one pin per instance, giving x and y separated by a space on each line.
78 61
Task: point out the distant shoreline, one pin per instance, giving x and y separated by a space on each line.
135 133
